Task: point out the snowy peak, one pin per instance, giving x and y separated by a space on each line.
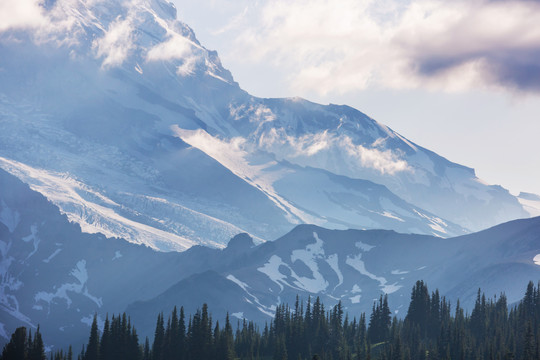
162 147
133 35
530 202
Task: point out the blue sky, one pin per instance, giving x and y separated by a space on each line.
461 78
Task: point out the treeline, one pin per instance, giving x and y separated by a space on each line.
431 329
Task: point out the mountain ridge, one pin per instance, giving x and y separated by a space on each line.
126 101
55 275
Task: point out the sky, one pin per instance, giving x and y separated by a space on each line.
461 78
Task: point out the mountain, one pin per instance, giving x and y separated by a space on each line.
356 267
530 202
118 115
55 275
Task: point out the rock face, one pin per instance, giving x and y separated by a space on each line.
55 275
118 115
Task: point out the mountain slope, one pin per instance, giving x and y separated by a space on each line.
356 267
55 275
163 148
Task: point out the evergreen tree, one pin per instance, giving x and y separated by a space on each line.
92 350
17 348
492 331
36 347
159 339
105 351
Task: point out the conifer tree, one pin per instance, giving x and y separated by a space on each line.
92 350
36 347
17 348
105 352
159 337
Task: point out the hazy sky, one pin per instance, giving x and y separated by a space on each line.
461 78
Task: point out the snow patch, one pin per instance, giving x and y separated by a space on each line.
238 315
363 246
32 237
242 284
391 216
356 263
333 261
262 308
9 217
355 299
88 320
399 272
57 251
80 273
309 256
271 269
435 223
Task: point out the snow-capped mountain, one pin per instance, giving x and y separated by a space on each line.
116 113
55 275
356 267
530 202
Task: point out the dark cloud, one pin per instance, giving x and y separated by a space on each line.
517 69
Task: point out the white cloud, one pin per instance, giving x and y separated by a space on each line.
341 46
21 14
177 47
255 113
116 43
331 151
45 23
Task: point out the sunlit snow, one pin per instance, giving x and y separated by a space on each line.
356 263
309 256
62 292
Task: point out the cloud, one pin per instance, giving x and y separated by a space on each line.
45 21
334 152
255 113
116 43
340 46
177 47
21 14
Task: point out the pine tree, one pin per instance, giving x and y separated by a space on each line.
36 348
105 352
146 350
92 350
159 338
17 348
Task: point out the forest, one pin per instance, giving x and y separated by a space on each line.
431 329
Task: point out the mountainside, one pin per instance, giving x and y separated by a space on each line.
356 267
117 114
54 275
